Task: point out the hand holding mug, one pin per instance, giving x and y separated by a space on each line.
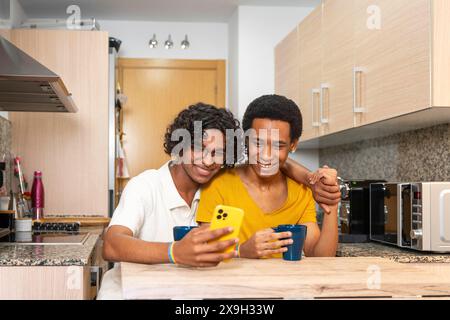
265 243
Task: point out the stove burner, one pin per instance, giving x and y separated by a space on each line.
53 226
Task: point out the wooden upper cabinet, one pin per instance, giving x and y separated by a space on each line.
71 149
310 69
363 62
338 62
441 53
392 39
286 67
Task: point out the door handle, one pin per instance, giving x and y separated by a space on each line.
323 86
386 214
356 88
314 92
442 196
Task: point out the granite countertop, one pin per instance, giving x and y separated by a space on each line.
372 249
50 255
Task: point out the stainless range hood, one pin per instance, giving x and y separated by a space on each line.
26 85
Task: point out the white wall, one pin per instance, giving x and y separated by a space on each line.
233 63
260 29
208 40
253 34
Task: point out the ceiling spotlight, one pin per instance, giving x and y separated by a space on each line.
153 43
185 43
169 43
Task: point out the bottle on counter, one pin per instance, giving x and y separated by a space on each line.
37 196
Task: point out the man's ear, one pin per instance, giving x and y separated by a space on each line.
293 146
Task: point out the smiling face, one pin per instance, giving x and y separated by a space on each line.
269 146
202 163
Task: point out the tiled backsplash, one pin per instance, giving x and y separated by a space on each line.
421 155
5 144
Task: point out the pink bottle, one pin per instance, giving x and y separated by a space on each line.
37 196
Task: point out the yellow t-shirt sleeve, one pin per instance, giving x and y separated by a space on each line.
309 215
210 197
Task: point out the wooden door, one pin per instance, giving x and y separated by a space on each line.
157 91
287 67
310 69
393 49
71 149
338 62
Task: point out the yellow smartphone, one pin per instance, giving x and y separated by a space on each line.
225 216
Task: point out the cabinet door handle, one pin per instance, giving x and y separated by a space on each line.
323 86
314 92
96 276
356 90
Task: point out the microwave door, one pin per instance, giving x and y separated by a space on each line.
405 215
391 225
383 213
377 212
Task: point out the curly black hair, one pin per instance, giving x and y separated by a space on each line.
211 118
275 107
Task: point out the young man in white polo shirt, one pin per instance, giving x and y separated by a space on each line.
157 200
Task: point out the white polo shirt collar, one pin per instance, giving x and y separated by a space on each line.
171 195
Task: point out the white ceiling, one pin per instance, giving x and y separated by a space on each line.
151 10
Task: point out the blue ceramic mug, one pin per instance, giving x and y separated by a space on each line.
180 231
294 252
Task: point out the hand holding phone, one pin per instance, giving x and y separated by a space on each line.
226 216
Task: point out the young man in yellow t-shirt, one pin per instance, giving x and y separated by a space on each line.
268 197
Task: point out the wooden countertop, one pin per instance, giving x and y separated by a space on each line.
310 278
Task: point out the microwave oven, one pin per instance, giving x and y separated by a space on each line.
414 215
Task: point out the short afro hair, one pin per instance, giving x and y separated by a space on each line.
211 118
275 107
